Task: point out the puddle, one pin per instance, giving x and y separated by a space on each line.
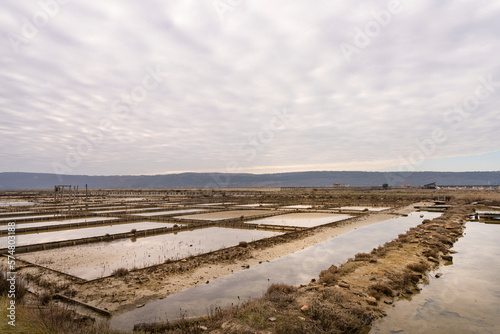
466 299
59 222
221 215
295 269
255 205
171 212
79 232
95 260
301 219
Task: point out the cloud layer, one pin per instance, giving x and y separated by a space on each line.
129 87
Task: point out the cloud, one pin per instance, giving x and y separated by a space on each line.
227 68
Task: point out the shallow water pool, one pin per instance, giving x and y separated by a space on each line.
466 299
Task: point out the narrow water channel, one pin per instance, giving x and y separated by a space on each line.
465 299
295 269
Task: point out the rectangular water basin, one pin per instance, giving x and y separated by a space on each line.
60 222
164 213
301 219
78 233
297 207
221 215
124 210
95 260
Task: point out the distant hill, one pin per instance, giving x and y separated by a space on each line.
202 180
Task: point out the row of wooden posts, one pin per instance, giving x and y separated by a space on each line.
71 192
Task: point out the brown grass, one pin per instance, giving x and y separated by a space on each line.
380 289
348 267
333 295
419 267
329 275
330 318
432 251
120 272
363 257
281 294
20 287
51 319
402 280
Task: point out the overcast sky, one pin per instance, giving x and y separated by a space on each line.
149 87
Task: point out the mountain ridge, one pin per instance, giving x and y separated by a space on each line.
35 181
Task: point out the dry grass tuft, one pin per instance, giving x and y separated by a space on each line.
348 267
419 267
333 295
329 275
329 318
432 251
380 289
281 294
363 257
120 272
402 280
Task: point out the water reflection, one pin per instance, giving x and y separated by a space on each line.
466 299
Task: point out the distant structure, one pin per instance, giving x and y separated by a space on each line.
59 192
341 185
430 186
405 185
